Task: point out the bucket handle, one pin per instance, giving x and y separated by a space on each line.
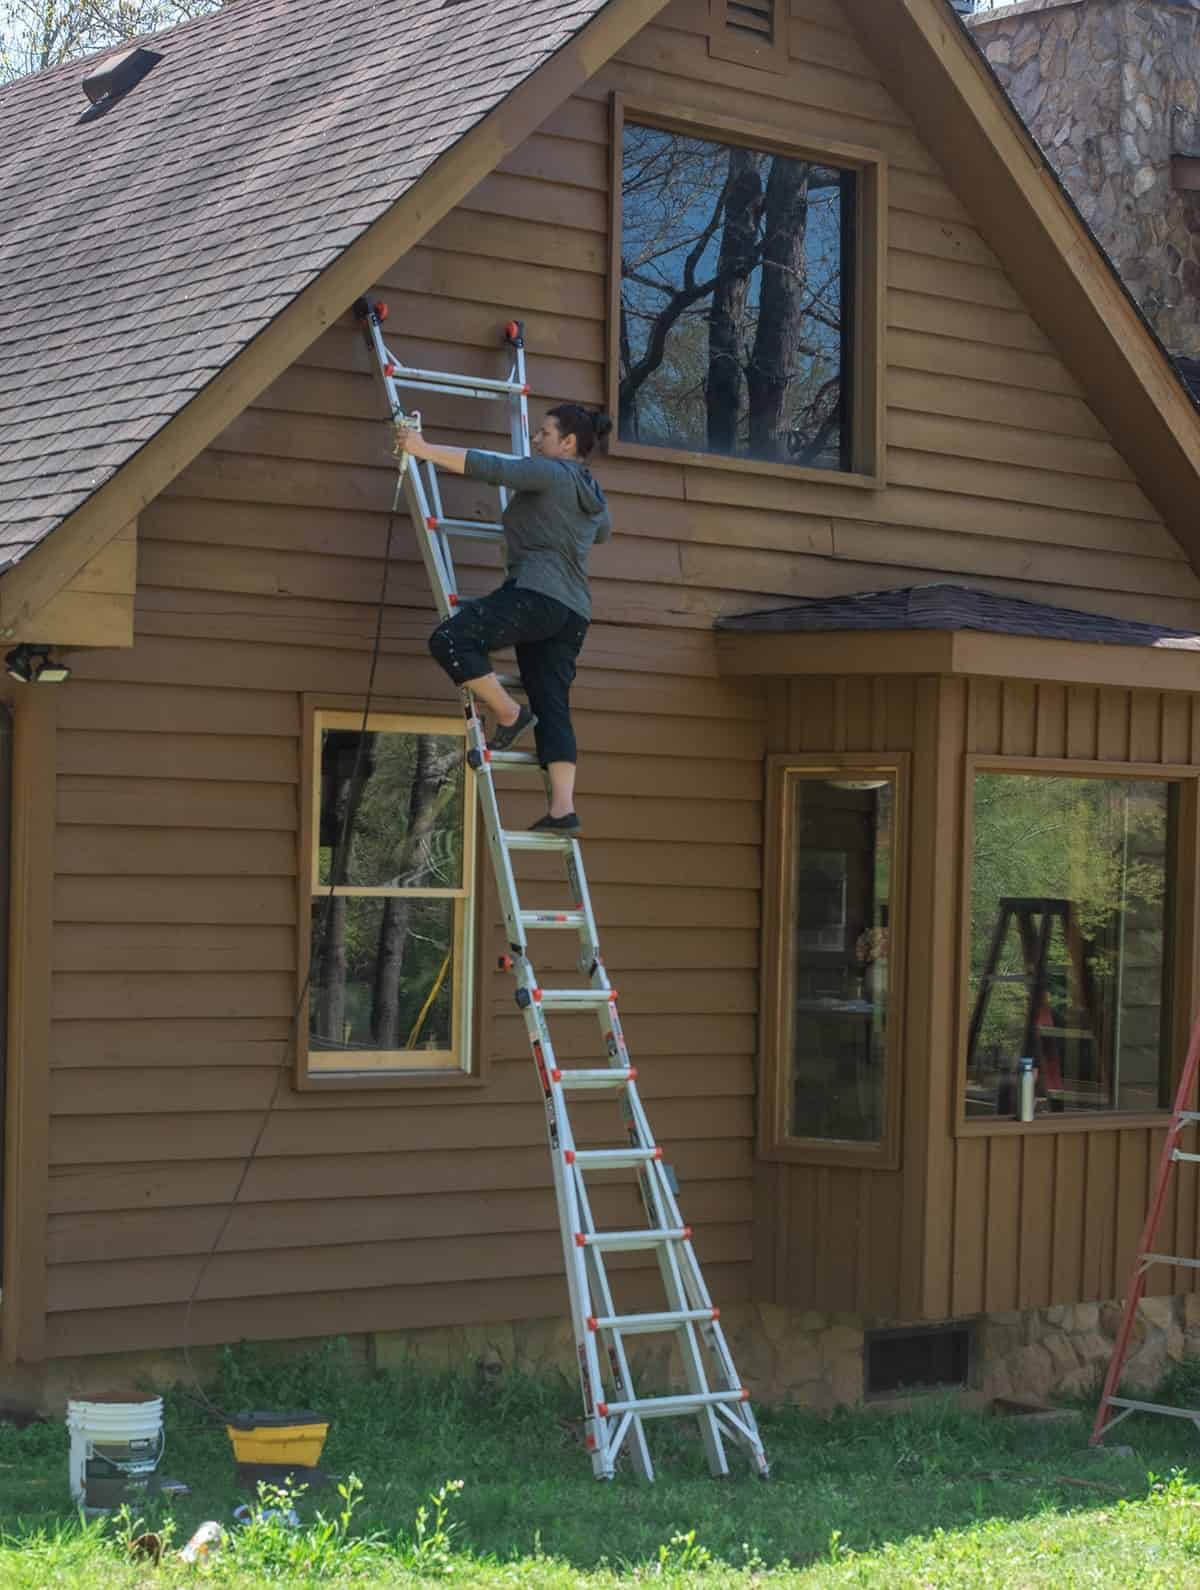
120 1468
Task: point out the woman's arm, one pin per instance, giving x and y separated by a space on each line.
518 474
414 444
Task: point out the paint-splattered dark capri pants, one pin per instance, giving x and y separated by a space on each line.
547 636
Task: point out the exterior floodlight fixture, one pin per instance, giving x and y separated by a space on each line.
32 666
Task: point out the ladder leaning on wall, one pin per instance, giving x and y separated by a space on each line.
614 1413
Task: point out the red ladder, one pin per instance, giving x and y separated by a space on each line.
1181 1118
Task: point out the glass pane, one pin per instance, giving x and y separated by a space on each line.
382 976
399 810
841 886
736 295
1070 942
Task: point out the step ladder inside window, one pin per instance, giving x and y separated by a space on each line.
615 1414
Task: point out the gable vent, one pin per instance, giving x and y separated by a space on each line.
744 16
750 32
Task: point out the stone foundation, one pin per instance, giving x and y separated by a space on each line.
813 1360
782 1355
1064 1351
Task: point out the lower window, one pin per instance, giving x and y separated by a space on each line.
1071 942
392 886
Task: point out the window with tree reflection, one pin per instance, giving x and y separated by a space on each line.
1071 942
737 270
391 895
839 910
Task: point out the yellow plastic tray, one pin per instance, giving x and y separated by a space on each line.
290 1443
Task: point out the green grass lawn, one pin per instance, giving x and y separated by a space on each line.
933 1497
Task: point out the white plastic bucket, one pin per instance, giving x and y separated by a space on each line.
114 1439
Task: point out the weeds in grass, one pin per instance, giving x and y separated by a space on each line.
683 1555
430 1551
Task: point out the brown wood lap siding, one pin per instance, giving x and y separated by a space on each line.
178 762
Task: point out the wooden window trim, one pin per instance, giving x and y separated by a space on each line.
867 441
1181 1009
437 1080
724 44
774 1141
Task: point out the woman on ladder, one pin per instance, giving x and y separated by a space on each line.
556 513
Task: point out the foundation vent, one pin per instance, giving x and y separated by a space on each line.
937 1359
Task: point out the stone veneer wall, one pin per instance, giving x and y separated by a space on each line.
1063 1351
816 1360
1109 89
782 1356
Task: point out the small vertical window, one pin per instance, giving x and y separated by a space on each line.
831 1017
840 909
750 32
391 895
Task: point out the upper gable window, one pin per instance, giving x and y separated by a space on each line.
750 32
738 295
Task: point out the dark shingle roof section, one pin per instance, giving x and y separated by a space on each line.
956 607
141 249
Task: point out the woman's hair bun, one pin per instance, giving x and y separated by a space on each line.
602 426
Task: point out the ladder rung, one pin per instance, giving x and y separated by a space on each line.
514 839
1188 1115
553 919
576 998
470 529
640 1324
406 375
611 1158
650 1407
1168 1258
632 1241
608 1077
522 760
1188 1159
1148 1407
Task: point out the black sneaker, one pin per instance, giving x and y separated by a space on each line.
505 734
569 824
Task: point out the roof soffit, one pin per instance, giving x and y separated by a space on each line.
946 653
928 61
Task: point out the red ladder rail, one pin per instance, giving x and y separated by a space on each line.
1181 1118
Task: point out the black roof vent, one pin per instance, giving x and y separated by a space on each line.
118 74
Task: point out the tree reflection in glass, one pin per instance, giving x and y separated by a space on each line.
391 840
1070 941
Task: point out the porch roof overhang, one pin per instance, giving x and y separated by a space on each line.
945 629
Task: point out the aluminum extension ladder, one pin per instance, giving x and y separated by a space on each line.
615 1414
1172 1154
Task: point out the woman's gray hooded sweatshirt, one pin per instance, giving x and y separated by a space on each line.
556 513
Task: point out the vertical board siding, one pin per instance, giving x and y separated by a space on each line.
980 1223
259 570
1057 1217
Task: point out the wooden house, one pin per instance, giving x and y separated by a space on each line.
914 566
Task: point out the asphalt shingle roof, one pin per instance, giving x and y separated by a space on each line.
142 248
956 607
